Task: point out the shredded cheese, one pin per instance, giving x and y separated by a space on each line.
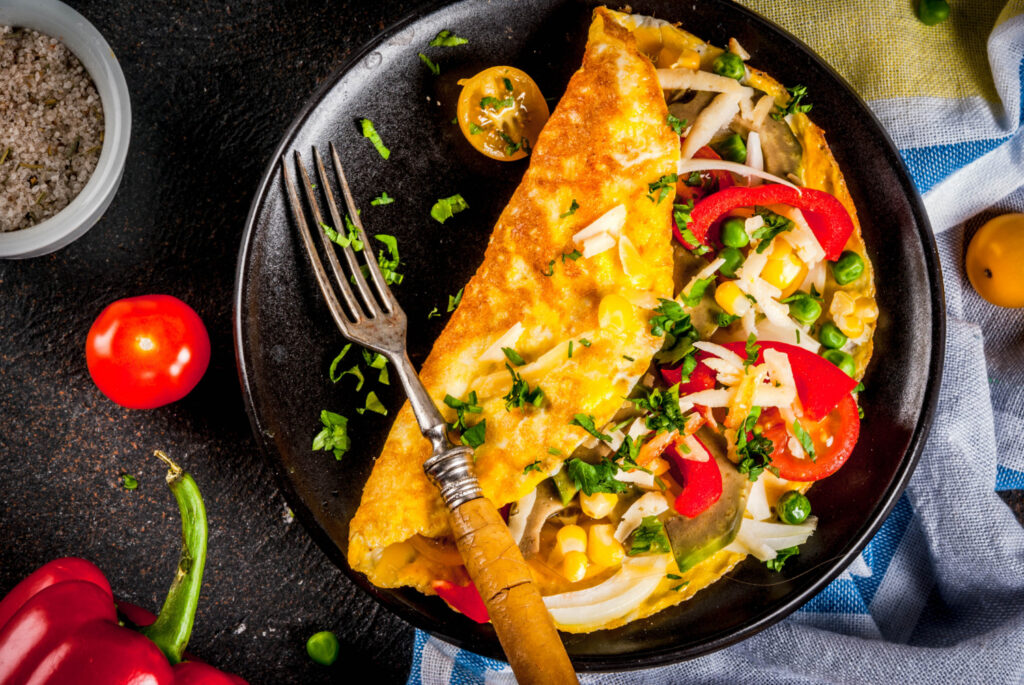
507 339
649 504
717 114
610 222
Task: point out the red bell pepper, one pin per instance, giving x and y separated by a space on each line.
820 384
826 215
701 378
59 625
701 481
463 598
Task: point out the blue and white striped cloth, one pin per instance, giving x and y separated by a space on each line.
938 595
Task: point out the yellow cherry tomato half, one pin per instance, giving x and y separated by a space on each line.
994 260
501 112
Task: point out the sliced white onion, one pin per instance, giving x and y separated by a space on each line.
610 222
595 245
737 49
519 515
755 156
649 504
723 353
763 538
688 166
761 111
507 339
615 597
694 79
790 332
717 114
757 501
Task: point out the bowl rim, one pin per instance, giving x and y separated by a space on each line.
58 20
651 657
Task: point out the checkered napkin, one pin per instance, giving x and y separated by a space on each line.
937 596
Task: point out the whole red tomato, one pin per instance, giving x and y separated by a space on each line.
148 351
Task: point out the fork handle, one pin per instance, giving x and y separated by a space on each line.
522 622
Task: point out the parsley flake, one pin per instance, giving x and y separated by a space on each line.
373 404
129 482
805 440
389 262
753 350
572 209
781 556
454 300
574 255
447 207
496 104
462 407
520 394
794 106
774 224
649 538
382 199
677 124
591 478
434 314
550 270
535 466
333 437
664 186
475 129
370 132
586 422
337 360
475 435
446 39
513 356
435 68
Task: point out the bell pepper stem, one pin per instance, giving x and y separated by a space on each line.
173 627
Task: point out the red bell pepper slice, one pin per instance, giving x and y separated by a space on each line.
826 215
701 378
463 598
820 384
701 481
59 625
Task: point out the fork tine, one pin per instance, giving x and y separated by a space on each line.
391 304
339 275
337 313
370 303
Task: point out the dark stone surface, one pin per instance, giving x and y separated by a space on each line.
213 88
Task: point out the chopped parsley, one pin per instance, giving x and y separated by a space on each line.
382 199
584 342
520 394
377 361
681 214
511 146
722 319
570 350
694 180
475 129
672 321
454 300
555 451
434 314
627 453
333 437
496 104
129 482
773 225
550 270
535 466
677 124
697 291
462 407
796 94
755 452
475 435
508 84
673 576
680 586
447 207
370 132
446 39
752 349
373 404
649 538
572 209
591 478
435 69
513 356
805 440
574 255
586 422
389 262
781 556
662 407
628 358
664 186
337 360
354 371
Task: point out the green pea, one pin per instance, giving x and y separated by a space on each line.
732 148
805 309
932 12
793 508
842 360
728 65
733 232
733 258
323 648
831 337
847 268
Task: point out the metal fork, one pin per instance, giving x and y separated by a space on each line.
372 317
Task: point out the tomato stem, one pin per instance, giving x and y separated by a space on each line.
173 627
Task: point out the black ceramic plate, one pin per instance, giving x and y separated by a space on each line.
285 339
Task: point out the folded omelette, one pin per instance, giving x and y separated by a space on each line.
582 298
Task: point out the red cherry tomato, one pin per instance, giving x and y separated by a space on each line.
833 436
145 352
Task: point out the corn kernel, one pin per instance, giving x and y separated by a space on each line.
598 505
852 314
574 566
730 298
570 539
616 312
866 308
689 59
784 269
851 326
602 547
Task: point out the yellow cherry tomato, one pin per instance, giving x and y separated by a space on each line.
501 112
994 260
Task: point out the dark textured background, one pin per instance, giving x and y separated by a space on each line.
213 88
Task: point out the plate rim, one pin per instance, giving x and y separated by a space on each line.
656 656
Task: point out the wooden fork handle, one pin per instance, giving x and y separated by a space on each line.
522 622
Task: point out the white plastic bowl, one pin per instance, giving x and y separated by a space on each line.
56 19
